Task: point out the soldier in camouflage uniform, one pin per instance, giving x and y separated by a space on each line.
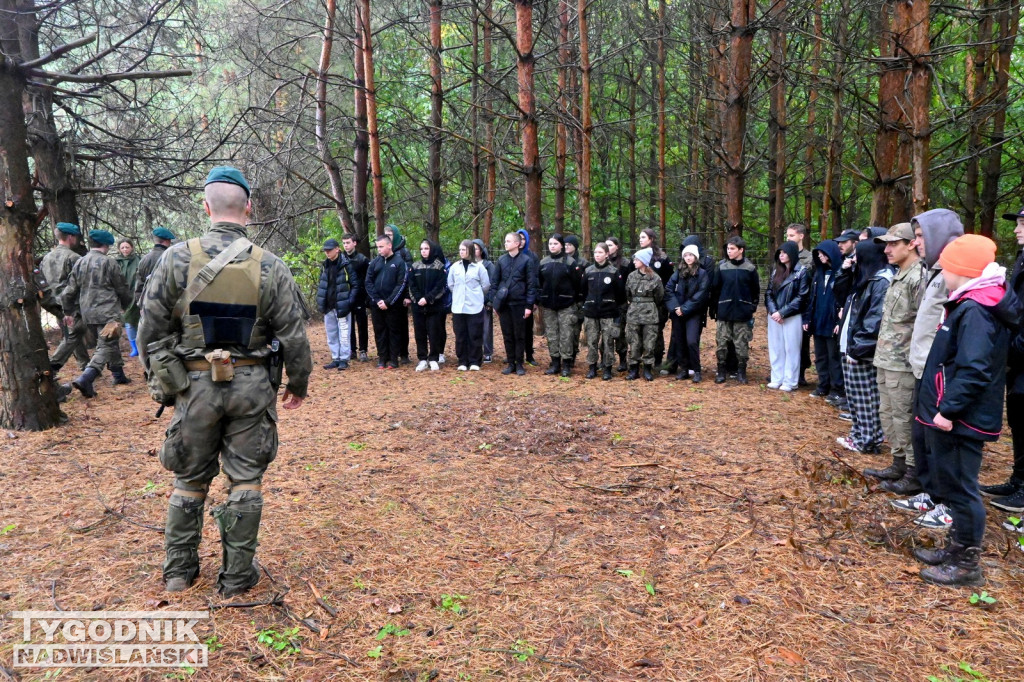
248 304
56 267
892 358
644 292
162 238
98 292
605 294
735 290
560 279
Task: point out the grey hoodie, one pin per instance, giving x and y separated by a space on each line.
940 226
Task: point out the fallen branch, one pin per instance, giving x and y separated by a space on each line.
728 544
53 594
276 600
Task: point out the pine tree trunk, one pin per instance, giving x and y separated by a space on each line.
811 138
371 118
561 132
741 38
361 152
474 87
491 191
1008 21
528 122
433 222
587 127
978 68
918 47
777 126
323 145
28 399
662 135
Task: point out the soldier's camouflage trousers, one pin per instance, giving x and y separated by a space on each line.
559 326
107 353
72 343
601 335
739 333
641 339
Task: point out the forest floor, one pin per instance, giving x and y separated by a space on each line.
474 526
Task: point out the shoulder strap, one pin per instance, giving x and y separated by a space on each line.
209 272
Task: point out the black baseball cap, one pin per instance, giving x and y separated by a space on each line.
849 235
331 244
1014 216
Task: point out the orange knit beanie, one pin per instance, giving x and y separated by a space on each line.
968 255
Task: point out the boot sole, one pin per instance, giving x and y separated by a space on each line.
1007 507
974 582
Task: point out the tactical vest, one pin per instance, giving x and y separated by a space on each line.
227 311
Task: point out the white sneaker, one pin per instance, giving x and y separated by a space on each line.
474 368
462 368
422 366
922 502
440 359
787 389
936 518
774 385
434 366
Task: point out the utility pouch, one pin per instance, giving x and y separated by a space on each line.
275 364
166 367
221 368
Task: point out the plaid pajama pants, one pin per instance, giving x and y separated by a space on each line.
862 393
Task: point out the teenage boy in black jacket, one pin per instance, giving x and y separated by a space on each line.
735 290
514 300
387 279
336 293
358 330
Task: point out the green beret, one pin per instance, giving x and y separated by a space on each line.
229 175
70 228
163 233
101 237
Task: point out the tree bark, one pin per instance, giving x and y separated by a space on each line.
1008 21
361 151
371 118
978 70
323 146
737 99
28 399
491 191
587 127
777 126
474 96
811 138
528 122
561 132
662 135
829 224
918 49
433 222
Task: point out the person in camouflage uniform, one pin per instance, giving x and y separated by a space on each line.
644 292
735 290
892 358
560 280
162 238
251 302
56 267
98 292
605 294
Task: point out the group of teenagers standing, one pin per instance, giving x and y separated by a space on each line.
917 335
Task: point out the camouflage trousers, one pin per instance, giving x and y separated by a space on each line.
72 343
739 333
895 408
559 326
235 420
641 339
601 335
107 353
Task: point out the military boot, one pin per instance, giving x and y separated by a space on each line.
893 472
182 533
683 374
622 363
567 367
908 485
607 374
939 555
720 374
592 371
239 523
648 373
118 376
84 382
962 569
63 391
741 373
696 376
554 368
634 372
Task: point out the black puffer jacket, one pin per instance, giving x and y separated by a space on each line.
788 297
867 300
965 374
360 263
517 281
560 280
605 291
346 287
1015 357
428 280
688 291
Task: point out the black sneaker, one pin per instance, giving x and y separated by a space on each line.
342 364
1010 503
834 399
333 364
487 358
1011 486
846 416
819 393
363 357
405 360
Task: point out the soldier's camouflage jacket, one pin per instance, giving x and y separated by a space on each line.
96 289
898 314
644 294
56 267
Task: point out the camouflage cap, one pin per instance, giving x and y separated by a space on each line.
69 228
101 237
163 233
230 175
898 232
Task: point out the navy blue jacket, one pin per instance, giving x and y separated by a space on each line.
689 293
347 289
822 313
965 375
